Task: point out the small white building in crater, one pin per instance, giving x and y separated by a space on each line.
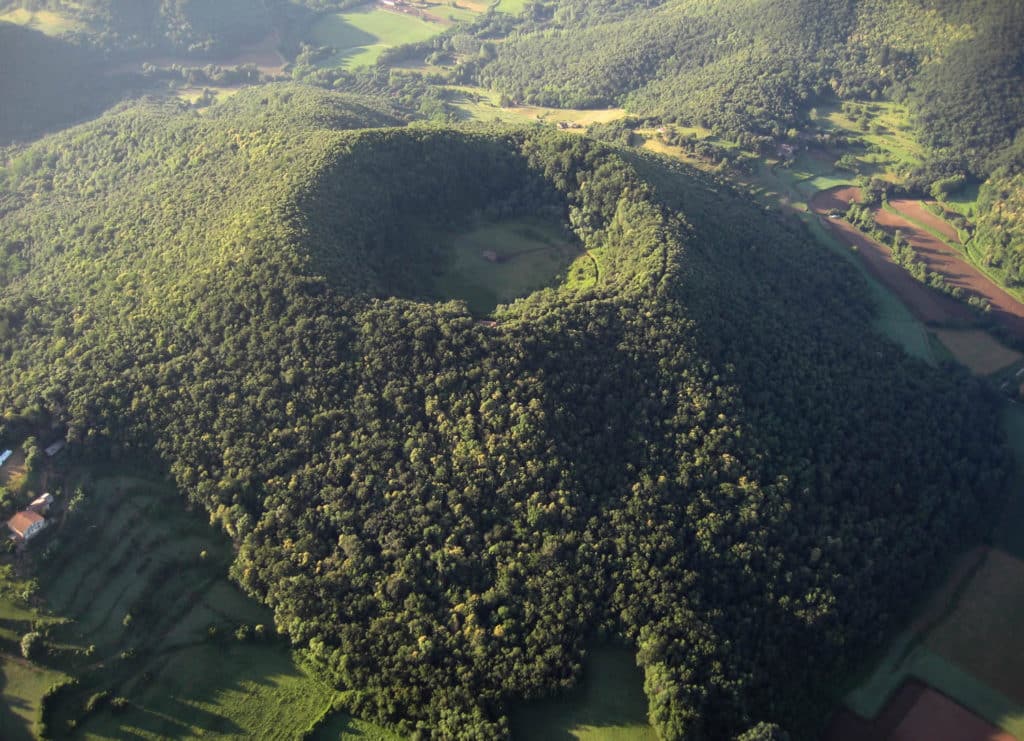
41 505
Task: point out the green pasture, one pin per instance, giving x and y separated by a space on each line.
23 685
141 583
362 34
888 129
608 705
531 254
512 7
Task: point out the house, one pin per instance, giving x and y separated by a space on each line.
53 448
5 455
26 524
41 505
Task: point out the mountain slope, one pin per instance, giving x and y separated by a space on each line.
705 452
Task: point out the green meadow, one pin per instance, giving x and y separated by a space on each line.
498 262
359 36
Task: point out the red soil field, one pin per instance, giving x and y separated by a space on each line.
934 717
927 304
848 726
915 712
941 258
916 211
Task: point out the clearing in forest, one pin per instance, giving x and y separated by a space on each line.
497 262
360 35
608 705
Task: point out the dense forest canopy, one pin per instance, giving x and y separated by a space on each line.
706 454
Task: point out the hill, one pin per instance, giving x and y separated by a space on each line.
700 449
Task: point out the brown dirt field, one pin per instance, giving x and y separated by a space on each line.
848 726
14 468
982 635
935 717
941 258
916 210
978 350
940 599
926 304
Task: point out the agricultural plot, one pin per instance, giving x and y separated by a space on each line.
150 617
608 705
978 350
512 7
481 104
44 21
496 263
359 36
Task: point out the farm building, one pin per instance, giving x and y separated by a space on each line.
5 455
26 524
41 505
55 447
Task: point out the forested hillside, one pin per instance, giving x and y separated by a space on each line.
706 453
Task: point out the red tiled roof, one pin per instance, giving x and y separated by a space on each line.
22 521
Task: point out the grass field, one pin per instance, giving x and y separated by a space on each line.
887 130
22 685
513 7
360 35
133 550
481 104
531 254
45 21
609 705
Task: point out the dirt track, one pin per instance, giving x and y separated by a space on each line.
927 304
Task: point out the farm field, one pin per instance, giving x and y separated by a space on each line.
512 7
362 34
914 210
264 55
608 705
481 104
978 350
527 255
927 304
151 617
941 258
45 21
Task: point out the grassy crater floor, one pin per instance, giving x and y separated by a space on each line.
497 262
